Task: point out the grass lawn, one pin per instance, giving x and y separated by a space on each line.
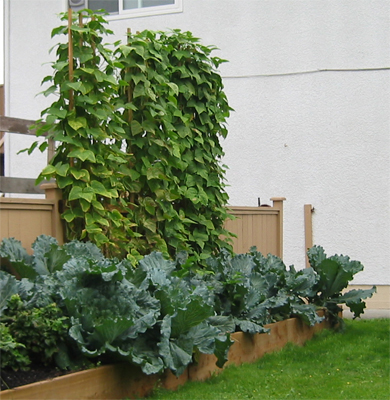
350 365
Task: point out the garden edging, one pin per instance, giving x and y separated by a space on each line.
124 380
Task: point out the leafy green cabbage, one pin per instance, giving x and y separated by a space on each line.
162 313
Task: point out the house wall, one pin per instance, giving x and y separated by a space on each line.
309 82
27 31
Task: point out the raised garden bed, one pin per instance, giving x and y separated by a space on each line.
123 380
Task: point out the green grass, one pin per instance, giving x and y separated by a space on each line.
350 365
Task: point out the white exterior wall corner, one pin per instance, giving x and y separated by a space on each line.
309 82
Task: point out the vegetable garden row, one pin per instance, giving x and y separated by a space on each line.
70 306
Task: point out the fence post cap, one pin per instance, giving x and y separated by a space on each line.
48 185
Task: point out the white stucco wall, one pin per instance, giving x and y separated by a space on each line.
309 82
28 28
315 139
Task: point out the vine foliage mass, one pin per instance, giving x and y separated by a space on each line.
138 128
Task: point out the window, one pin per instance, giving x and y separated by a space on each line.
129 8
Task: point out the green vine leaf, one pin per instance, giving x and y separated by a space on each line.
80 174
83 154
63 182
78 123
77 193
49 170
99 188
62 169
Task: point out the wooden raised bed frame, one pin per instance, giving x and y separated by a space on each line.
126 381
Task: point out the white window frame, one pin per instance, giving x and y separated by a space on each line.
177 7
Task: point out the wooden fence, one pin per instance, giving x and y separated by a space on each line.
258 226
25 219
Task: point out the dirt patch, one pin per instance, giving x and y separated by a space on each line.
11 379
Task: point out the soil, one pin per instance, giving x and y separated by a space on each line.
11 379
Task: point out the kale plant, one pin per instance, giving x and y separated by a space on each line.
335 273
161 313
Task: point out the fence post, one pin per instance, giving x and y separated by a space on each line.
308 210
278 204
52 192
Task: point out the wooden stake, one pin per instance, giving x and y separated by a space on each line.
93 45
130 116
70 58
81 25
129 88
51 149
70 62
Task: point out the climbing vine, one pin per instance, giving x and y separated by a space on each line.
138 128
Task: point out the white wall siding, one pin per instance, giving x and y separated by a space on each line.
319 139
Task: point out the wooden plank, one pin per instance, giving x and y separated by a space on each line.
108 382
20 126
248 348
25 219
48 206
50 150
308 209
17 125
127 381
11 202
253 210
278 204
25 225
54 194
19 185
258 226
